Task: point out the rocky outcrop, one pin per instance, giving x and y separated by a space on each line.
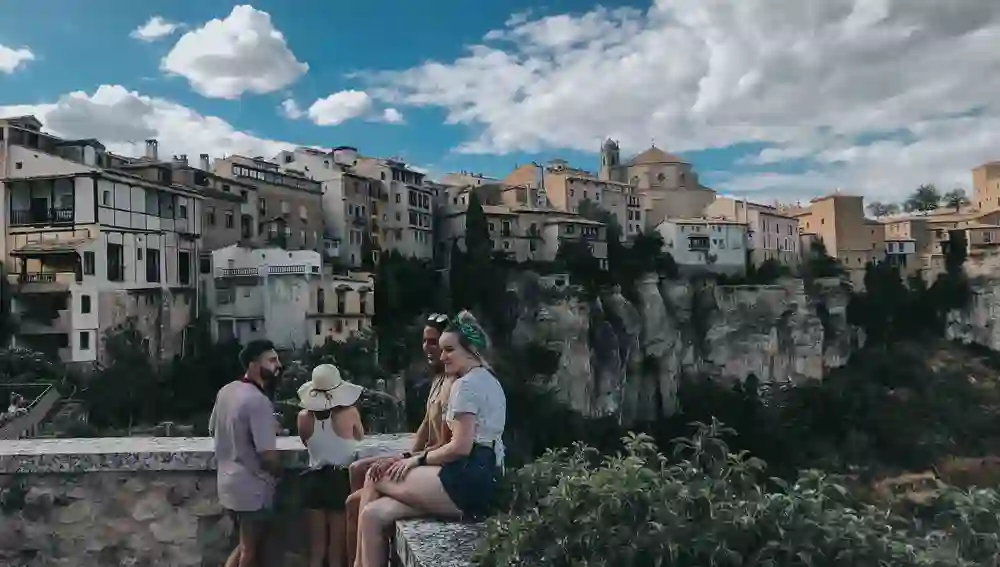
626 357
977 323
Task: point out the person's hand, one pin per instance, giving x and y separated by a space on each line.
378 468
397 472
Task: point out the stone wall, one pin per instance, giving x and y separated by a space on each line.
624 357
148 501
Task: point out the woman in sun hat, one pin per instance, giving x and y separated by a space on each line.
330 428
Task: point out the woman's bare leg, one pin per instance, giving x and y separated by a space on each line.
316 520
338 540
358 470
422 490
352 509
375 520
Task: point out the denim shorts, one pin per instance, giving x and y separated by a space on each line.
471 481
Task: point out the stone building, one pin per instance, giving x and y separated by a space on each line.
89 246
289 204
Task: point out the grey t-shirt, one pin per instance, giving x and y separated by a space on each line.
243 426
480 393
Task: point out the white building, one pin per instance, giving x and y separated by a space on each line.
713 245
263 293
86 247
771 234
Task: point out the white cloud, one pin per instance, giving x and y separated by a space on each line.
290 109
12 59
154 29
392 116
122 120
813 79
340 107
239 54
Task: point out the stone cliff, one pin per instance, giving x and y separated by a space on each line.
977 323
625 357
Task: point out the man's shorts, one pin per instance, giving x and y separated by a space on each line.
249 518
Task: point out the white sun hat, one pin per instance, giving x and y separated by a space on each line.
328 390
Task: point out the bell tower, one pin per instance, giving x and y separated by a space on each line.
610 161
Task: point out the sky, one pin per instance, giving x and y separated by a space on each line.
768 99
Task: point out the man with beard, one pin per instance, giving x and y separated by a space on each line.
245 432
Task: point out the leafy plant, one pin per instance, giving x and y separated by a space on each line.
703 504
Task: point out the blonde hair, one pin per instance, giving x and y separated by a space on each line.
466 324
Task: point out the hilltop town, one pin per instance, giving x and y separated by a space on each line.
283 246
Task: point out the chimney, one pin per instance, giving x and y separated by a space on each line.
152 149
203 158
182 159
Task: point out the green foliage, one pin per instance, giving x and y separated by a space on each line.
891 407
817 263
925 198
405 290
880 209
955 198
703 504
768 272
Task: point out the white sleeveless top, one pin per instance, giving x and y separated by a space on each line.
326 448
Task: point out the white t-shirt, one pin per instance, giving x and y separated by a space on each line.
480 393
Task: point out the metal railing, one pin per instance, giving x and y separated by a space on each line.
27 423
37 277
46 216
237 272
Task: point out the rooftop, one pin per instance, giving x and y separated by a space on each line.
654 156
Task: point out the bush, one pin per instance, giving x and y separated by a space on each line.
705 505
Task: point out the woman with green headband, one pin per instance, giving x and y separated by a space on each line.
457 480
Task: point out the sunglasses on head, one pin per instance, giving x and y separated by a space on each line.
437 318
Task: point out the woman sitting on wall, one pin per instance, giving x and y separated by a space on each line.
431 434
458 479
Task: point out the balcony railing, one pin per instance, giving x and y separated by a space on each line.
238 272
47 216
295 269
37 277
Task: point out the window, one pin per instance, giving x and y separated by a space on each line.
106 198
230 223
84 304
152 265
210 216
302 212
341 302
182 212
205 265
184 267
116 262
319 327
84 340
88 263
262 205
320 301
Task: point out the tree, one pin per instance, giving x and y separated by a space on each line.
880 209
817 263
956 198
925 198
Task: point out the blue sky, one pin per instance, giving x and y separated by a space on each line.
771 99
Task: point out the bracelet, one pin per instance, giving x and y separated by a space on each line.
422 460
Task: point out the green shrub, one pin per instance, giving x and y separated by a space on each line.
705 505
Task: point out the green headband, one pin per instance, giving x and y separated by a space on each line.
472 334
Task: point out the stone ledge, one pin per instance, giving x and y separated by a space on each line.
433 543
109 454
151 500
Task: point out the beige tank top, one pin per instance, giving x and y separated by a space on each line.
437 402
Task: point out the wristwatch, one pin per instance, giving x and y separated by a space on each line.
422 459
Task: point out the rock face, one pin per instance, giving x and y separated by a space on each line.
977 324
626 358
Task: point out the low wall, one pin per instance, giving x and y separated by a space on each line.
152 501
